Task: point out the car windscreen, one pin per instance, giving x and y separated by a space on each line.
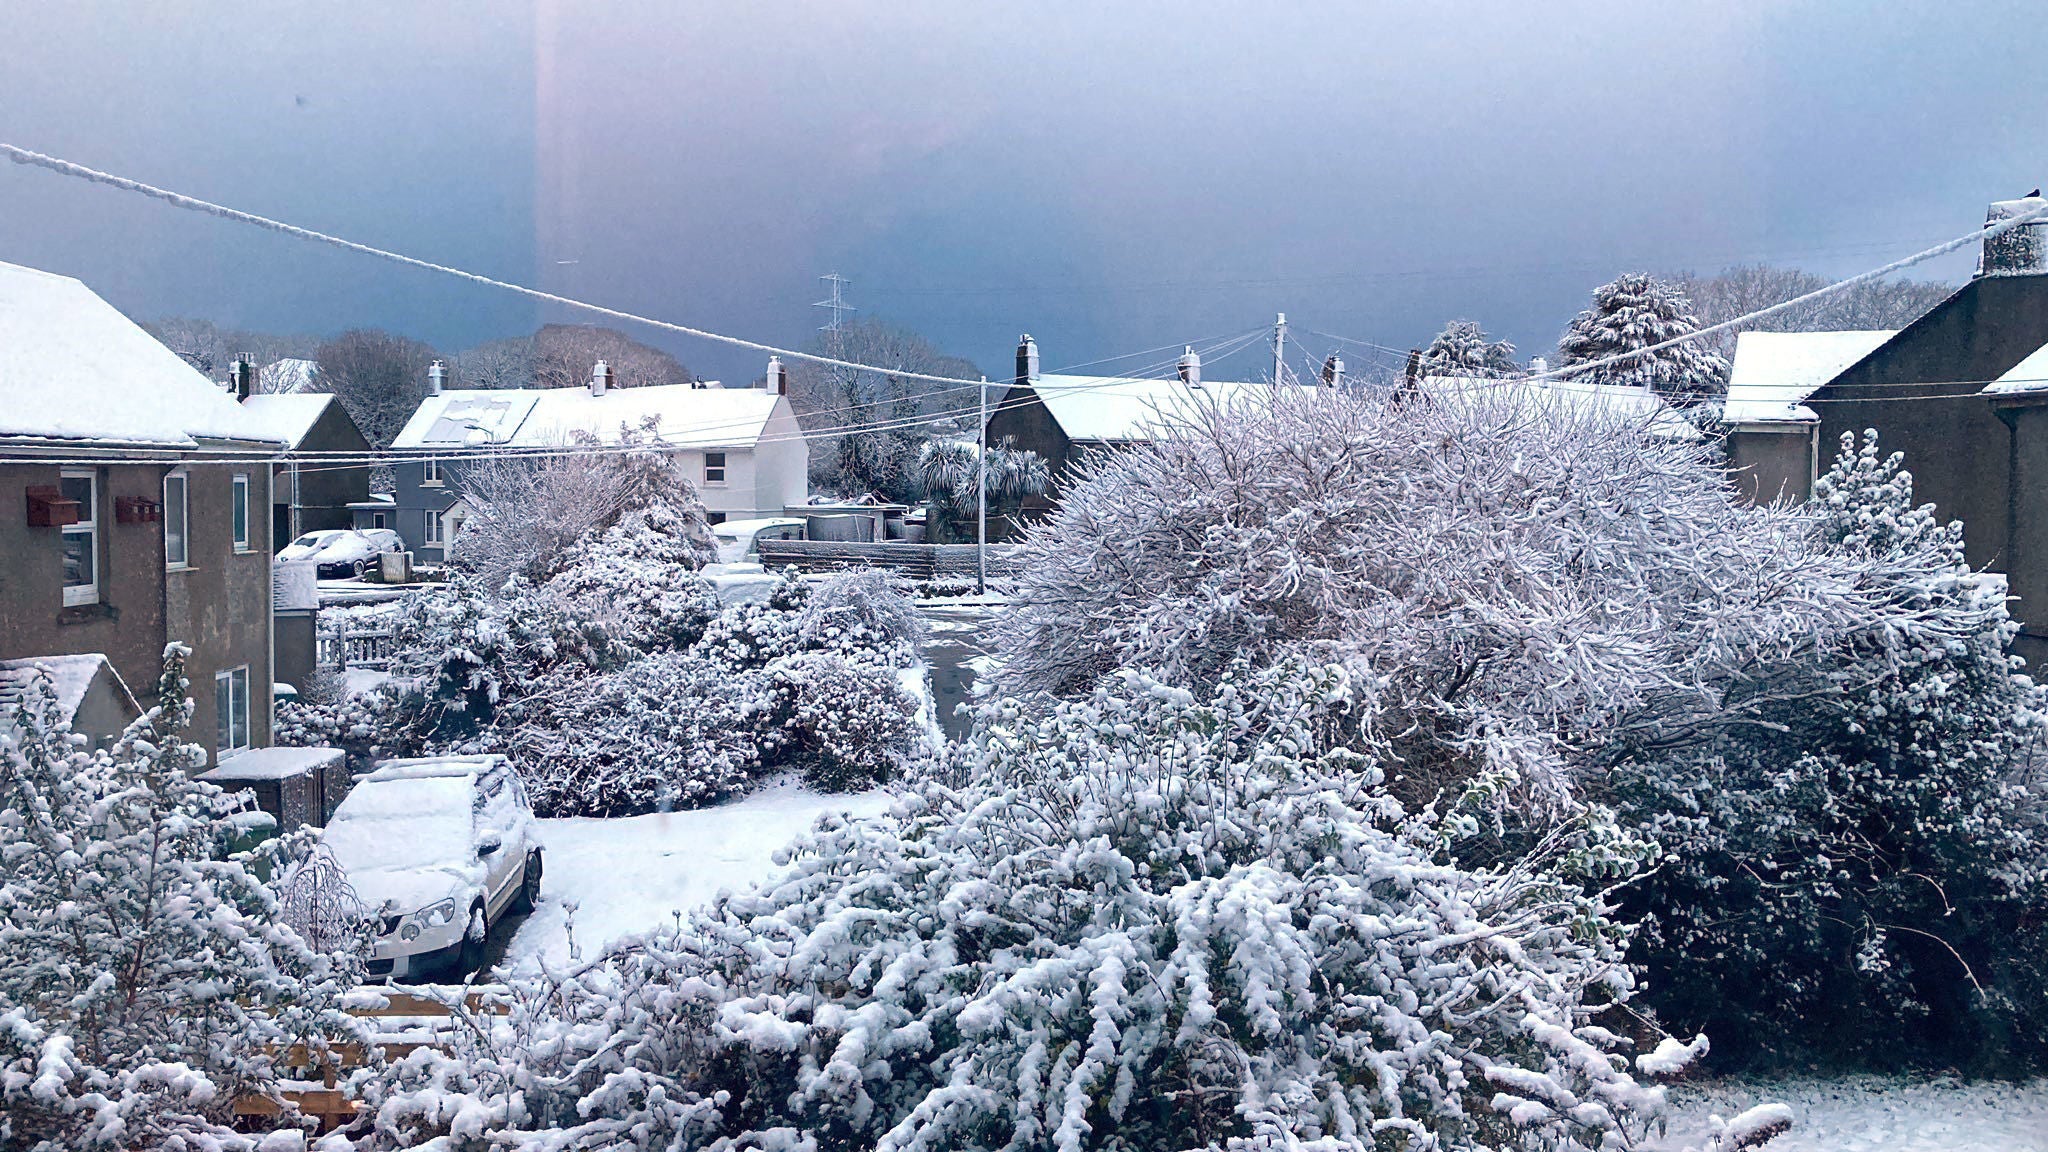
418 823
310 539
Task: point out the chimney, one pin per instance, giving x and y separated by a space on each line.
241 378
1333 371
1538 366
437 378
777 379
1414 371
600 378
2021 251
1027 360
1191 368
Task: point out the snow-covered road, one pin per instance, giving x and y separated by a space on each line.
634 874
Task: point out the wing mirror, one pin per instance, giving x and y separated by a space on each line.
488 843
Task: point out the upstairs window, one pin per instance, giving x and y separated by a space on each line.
82 540
714 467
177 543
240 511
433 473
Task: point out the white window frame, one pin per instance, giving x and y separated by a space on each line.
231 709
718 468
436 528
377 520
88 526
238 509
183 506
431 477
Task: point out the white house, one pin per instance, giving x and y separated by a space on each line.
741 446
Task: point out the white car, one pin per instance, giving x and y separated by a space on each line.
736 538
438 849
342 552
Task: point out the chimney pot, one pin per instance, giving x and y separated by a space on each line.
1191 368
240 378
437 378
600 378
1027 359
774 376
1538 366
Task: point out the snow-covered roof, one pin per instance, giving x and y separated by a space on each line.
287 417
271 764
73 369
1617 401
1114 409
284 377
2029 375
70 678
690 416
1774 372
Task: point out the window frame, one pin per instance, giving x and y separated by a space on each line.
436 528
377 520
719 468
238 511
231 715
88 526
430 477
183 505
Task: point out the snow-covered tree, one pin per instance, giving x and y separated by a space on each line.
1141 921
1635 311
1462 349
148 976
950 473
1858 875
1522 584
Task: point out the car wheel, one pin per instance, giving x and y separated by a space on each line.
529 887
359 566
471 958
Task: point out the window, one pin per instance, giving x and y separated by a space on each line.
433 473
437 531
714 517
240 511
82 540
714 467
177 545
376 519
231 708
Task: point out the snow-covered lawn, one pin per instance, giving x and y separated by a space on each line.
1874 1114
633 874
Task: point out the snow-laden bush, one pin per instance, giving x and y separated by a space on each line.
1144 921
148 978
1859 876
1520 585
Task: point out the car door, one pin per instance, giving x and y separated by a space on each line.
495 814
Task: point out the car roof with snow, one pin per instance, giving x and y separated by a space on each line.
737 527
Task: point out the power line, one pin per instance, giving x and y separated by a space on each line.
194 204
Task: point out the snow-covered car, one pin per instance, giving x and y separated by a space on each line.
437 849
343 552
737 538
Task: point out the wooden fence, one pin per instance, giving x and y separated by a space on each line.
917 561
357 648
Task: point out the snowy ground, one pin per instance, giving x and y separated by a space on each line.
634 874
1874 1114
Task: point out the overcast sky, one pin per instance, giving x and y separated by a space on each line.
1107 177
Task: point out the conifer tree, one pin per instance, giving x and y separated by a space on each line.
1462 349
1637 311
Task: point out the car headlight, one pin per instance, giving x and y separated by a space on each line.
432 916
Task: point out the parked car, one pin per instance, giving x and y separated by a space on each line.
343 552
737 538
438 849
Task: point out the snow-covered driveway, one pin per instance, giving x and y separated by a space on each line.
1875 1114
633 874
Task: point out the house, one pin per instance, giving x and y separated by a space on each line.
1954 390
131 508
1773 433
1064 419
307 493
741 446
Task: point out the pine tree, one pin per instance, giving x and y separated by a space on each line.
1462 349
1637 311
147 975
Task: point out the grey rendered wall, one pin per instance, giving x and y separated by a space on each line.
1767 462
